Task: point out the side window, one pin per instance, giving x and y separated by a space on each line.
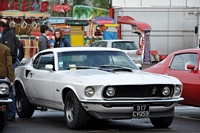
178 63
128 46
116 45
103 44
181 61
191 58
96 44
131 46
36 61
43 60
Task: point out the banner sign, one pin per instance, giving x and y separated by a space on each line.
24 6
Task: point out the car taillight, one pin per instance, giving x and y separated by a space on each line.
138 52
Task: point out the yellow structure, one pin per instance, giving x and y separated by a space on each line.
76 35
76 32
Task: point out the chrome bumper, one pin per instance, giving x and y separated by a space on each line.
174 100
123 109
5 101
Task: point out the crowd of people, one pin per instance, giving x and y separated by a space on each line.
12 52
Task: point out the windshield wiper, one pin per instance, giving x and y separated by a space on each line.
80 67
114 68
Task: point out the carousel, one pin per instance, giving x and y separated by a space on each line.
25 23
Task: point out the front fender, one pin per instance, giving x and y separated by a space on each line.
66 89
17 82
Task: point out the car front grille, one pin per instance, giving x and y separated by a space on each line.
3 96
138 91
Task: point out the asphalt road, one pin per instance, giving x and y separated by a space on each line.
186 120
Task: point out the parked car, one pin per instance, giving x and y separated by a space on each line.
4 100
94 82
184 65
128 46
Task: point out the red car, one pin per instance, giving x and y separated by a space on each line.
184 65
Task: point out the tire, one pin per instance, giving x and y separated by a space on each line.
2 120
23 106
75 115
162 122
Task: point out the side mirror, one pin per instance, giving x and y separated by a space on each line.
139 66
190 66
49 67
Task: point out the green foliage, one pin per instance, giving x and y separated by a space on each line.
93 3
100 4
87 12
84 12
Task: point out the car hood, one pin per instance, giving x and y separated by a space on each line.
135 77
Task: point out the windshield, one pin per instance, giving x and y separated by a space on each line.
93 59
125 45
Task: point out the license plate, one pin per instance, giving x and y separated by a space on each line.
140 110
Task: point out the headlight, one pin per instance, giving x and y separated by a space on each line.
89 91
4 89
166 91
110 91
177 91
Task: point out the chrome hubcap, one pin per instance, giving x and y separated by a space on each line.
19 101
70 110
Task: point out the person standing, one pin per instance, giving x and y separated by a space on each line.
43 42
6 63
20 52
9 39
60 41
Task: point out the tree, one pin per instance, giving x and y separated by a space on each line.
93 3
100 4
73 3
77 12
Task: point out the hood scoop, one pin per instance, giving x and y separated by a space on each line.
114 69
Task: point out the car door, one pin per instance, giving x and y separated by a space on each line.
189 78
42 80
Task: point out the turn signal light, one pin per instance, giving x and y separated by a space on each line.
3 108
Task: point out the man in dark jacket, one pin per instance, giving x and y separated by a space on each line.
9 39
43 42
20 53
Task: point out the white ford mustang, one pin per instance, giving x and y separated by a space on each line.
94 82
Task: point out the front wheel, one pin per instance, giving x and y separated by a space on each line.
23 106
75 115
162 122
2 119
